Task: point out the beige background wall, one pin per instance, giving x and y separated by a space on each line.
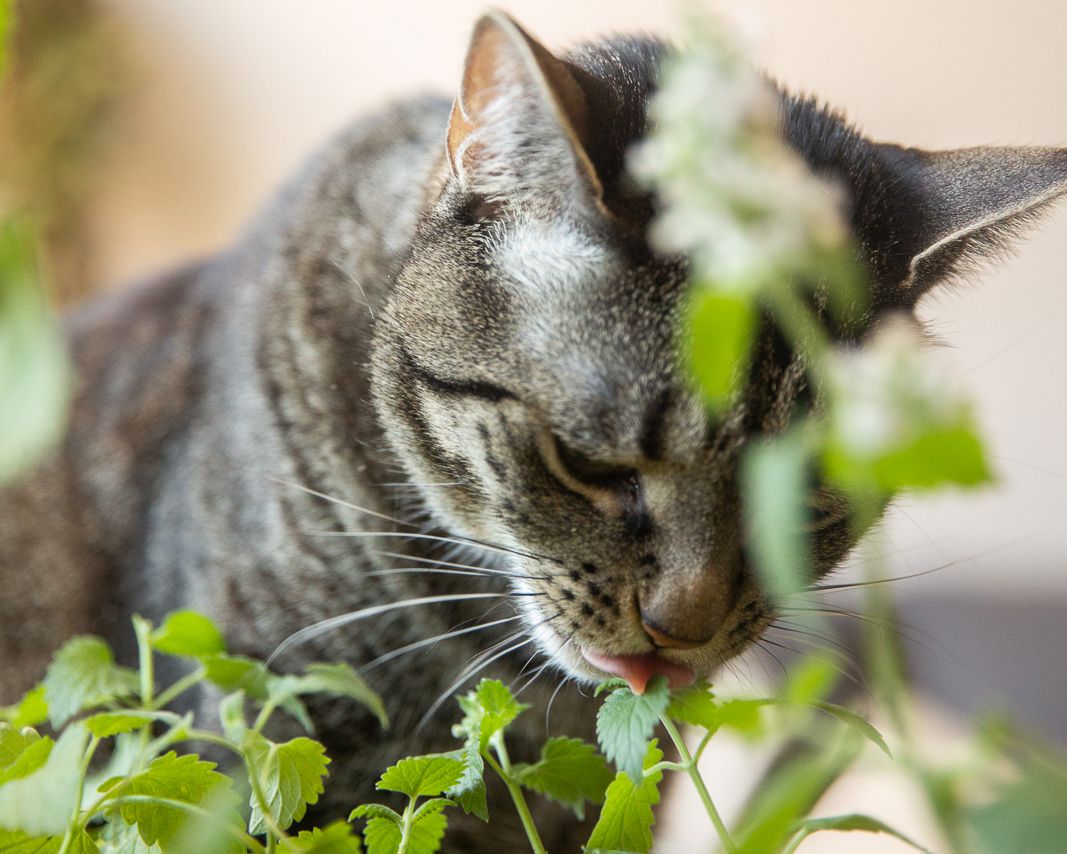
232 94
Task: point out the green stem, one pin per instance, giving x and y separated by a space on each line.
246 839
406 825
504 770
166 697
264 715
77 821
698 783
143 630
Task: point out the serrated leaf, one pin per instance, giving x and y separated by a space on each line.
422 776
428 808
852 822
290 775
610 684
40 803
383 836
336 838
626 721
188 779
237 673
695 705
117 837
375 811
570 771
489 708
339 680
626 819
469 790
188 633
83 674
107 724
31 710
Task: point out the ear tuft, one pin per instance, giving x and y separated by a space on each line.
520 122
972 204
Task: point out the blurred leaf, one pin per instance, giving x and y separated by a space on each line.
31 710
1029 817
237 673
290 775
40 803
851 822
775 488
337 679
188 633
17 842
336 838
82 675
721 326
33 362
810 680
107 724
696 705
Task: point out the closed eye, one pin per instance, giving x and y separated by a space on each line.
593 472
456 387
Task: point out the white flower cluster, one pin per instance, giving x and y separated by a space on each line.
736 198
886 393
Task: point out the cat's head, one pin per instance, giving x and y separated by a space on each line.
528 368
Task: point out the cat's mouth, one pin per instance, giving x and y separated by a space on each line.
638 670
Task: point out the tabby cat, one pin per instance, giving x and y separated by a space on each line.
449 342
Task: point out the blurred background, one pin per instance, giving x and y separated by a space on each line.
166 124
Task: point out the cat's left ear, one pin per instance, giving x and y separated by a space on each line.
518 127
931 214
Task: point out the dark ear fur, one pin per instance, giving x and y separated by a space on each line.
924 216
519 126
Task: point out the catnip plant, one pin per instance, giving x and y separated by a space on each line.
95 759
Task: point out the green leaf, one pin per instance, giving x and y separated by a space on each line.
336 838
83 674
852 822
17 842
489 709
570 771
383 836
232 716
695 705
188 633
469 790
40 802
237 673
290 775
118 837
422 776
742 716
31 710
610 684
34 382
170 777
1027 817
810 680
626 721
375 811
858 723
720 329
14 742
774 478
106 724
626 820
337 679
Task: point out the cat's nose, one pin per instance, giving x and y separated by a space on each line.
684 610
665 641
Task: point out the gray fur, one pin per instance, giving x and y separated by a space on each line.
388 322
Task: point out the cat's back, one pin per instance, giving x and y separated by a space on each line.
170 363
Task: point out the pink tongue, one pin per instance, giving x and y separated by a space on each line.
639 669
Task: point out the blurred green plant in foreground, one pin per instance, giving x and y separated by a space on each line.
886 422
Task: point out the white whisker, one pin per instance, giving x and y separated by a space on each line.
411 647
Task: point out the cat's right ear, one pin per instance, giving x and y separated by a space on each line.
518 127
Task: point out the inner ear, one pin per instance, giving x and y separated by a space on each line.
520 123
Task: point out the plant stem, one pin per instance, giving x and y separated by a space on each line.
77 822
504 770
698 782
179 687
406 825
143 630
